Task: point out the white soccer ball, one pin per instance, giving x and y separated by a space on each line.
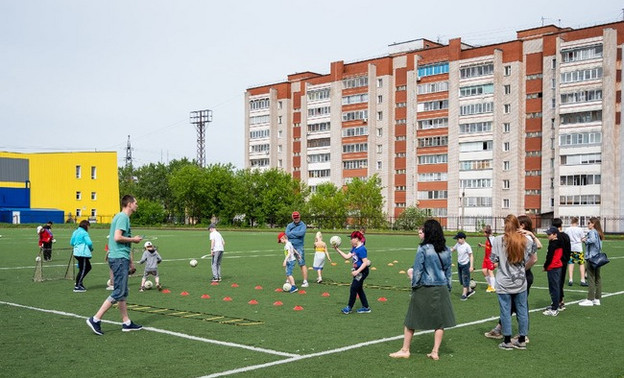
148 284
335 241
193 263
473 283
38 258
287 287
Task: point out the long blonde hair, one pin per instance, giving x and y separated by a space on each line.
515 242
319 236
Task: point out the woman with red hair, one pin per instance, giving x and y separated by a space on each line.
359 271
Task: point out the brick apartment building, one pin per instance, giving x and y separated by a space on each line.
529 126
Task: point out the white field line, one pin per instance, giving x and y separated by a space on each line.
164 331
364 344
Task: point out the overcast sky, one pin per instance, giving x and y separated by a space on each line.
80 75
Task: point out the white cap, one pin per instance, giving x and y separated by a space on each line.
148 244
39 228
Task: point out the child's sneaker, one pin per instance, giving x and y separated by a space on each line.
319 280
490 289
346 310
470 293
495 333
562 306
159 287
293 289
78 289
551 312
585 284
215 279
596 302
516 338
463 297
364 310
506 346
586 302
131 327
305 283
518 345
95 326
142 289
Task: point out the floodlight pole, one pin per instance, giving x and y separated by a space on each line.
199 118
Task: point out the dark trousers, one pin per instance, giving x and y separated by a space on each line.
564 270
554 278
84 267
47 251
357 288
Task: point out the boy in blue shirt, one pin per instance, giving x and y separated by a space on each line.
291 256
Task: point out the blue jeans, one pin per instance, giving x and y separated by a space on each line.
522 312
463 273
120 269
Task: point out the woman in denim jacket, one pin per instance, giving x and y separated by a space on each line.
593 240
430 304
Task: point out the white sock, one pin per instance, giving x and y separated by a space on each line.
128 322
493 281
96 319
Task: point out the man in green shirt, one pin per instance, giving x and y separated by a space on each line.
120 261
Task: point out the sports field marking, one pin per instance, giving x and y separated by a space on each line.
364 344
163 331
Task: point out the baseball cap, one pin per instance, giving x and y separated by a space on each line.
460 235
148 244
551 230
295 215
39 228
280 236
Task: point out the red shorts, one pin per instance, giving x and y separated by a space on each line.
487 263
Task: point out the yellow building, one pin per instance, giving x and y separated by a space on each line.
84 185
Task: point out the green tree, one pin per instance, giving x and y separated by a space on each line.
365 202
189 187
149 213
327 206
410 219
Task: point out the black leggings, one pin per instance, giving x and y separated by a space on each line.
357 288
84 267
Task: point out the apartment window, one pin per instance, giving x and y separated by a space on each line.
379 83
355 164
379 116
262 103
78 213
433 69
279 148
279 120
354 131
356 147
78 171
93 212
93 173
279 163
432 159
506 146
279 104
318 94
279 133
259 134
480 108
379 148
476 90
379 165
476 71
506 127
507 70
355 99
507 89
507 108
438 86
379 132
506 203
581 53
355 82
319 158
401 88
379 99
78 195
506 184
93 196
553 64
506 165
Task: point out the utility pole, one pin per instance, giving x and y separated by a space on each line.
129 154
199 118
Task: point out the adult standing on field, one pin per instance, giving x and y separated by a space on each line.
430 304
296 231
120 239
217 246
593 241
83 246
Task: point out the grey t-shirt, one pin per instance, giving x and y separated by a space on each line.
510 278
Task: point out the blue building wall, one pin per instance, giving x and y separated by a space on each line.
15 197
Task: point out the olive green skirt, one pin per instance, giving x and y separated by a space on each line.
430 308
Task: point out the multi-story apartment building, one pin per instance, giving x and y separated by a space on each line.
462 131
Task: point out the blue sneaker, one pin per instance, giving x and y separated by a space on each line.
346 310
293 289
364 310
95 326
131 327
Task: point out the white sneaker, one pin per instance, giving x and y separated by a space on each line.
305 284
551 312
596 302
586 303
110 288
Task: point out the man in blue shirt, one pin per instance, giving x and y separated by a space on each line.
119 261
296 235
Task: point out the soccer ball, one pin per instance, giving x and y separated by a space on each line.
335 241
287 287
148 284
38 258
473 284
193 263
